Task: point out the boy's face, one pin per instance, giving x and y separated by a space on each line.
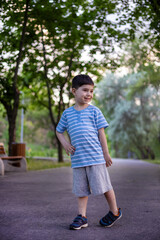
84 94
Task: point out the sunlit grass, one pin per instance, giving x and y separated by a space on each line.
33 164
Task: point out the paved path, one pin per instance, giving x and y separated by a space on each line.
39 205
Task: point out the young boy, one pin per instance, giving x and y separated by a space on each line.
89 152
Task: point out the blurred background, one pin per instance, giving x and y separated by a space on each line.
45 43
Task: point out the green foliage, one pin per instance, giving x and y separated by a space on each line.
142 17
134 122
37 150
139 57
12 37
37 128
61 33
3 129
61 39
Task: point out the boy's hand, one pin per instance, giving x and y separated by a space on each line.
108 161
103 141
69 148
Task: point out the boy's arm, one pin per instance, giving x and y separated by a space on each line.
103 141
67 146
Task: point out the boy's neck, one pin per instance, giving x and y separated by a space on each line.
80 107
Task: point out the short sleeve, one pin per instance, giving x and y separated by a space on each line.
62 125
100 120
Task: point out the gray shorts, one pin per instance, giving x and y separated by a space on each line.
91 179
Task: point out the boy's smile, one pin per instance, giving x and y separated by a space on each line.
83 95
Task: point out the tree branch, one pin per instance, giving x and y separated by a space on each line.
47 81
21 46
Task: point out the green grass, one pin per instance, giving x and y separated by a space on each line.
33 164
41 151
155 161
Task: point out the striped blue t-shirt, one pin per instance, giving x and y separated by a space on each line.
82 127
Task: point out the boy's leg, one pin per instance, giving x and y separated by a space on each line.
111 199
80 221
114 214
82 205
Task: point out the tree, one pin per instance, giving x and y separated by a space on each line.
52 35
134 122
142 20
133 100
9 79
138 56
56 52
57 35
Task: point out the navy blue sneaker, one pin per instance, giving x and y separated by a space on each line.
79 222
109 219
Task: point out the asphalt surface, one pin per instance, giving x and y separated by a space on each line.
40 205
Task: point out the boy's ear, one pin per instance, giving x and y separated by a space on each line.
73 90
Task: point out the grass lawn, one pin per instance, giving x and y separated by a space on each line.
33 164
155 161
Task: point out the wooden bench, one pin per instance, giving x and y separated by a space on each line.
12 163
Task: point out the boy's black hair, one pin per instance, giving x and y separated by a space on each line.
80 80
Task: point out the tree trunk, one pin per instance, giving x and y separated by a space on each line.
12 108
21 45
60 151
49 87
11 131
149 153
